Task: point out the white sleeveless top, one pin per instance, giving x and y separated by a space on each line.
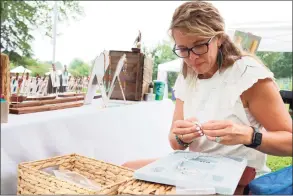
218 98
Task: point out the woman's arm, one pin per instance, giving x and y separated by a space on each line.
266 105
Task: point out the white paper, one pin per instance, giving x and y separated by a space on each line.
76 178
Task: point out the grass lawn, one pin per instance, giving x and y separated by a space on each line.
275 163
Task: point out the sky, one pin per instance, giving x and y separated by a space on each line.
110 25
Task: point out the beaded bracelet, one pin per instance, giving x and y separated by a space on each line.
181 143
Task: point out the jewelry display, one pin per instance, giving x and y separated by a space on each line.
184 167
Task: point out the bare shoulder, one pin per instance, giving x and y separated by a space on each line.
266 105
262 87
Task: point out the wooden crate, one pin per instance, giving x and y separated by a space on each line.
135 78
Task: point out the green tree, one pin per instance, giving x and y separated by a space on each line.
76 63
41 68
163 53
280 63
79 68
84 69
36 66
19 18
284 66
57 64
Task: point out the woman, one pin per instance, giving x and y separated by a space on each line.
64 80
231 94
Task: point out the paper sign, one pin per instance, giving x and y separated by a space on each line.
247 41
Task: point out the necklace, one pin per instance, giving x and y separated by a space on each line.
184 170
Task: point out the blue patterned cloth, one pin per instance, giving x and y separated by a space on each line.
274 183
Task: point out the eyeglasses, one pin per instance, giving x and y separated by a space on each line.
198 49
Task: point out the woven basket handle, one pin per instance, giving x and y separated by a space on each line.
55 161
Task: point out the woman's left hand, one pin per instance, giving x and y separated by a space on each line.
227 132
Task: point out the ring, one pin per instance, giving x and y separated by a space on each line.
197 123
182 137
198 126
218 139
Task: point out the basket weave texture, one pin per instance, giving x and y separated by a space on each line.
31 180
139 187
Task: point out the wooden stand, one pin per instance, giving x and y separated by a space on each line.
46 102
71 94
135 50
43 108
135 76
17 99
41 98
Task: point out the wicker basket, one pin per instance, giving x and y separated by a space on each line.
139 187
31 180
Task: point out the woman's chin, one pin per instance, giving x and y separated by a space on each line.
198 71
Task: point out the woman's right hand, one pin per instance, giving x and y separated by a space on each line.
187 130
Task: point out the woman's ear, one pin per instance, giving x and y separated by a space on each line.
220 40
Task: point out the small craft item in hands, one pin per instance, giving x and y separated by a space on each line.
199 128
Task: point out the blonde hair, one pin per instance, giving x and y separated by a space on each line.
203 19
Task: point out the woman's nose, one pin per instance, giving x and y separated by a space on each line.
193 56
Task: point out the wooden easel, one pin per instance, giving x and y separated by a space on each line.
96 80
116 77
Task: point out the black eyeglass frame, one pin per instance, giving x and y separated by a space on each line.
190 49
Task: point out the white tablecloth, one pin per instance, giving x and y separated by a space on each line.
115 134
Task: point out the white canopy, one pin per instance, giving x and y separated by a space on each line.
275 36
20 69
172 66
164 68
